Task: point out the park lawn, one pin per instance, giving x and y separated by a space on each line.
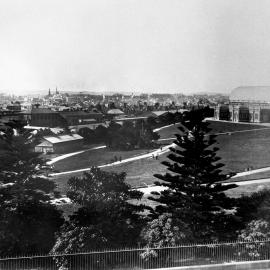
94 158
169 132
247 189
238 151
216 126
140 172
219 127
255 176
62 180
104 156
242 150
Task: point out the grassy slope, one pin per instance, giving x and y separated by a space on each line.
238 151
94 158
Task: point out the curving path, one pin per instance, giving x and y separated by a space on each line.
225 133
154 153
52 161
161 151
148 189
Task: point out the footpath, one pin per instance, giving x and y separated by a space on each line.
154 153
52 161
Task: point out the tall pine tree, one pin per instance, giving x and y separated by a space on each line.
194 193
28 220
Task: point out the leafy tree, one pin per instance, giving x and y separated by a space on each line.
28 220
165 231
112 105
36 136
145 134
254 207
101 134
151 121
161 232
256 230
113 136
88 135
167 118
194 192
178 117
105 218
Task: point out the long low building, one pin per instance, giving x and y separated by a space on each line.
247 104
45 117
60 144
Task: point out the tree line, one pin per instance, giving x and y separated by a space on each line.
127 136
192 206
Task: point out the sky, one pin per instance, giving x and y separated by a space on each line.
169 46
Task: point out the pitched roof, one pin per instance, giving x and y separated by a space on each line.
73 113
45 143
62 138
114 111
159 113
251 93
42 110
79 113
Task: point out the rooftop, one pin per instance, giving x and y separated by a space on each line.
42 110
78 113
115 111
62 138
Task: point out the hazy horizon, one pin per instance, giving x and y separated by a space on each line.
145 46
97 92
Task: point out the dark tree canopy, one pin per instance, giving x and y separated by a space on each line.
28 220
194 192
106 215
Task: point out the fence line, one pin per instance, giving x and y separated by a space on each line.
146 257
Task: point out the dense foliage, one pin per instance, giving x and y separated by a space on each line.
192 207
105 218
28 220
194 192
121 137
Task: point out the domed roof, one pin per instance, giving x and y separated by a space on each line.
251 93
114 111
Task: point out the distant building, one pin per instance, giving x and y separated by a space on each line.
59 144
80 117
114 113
246 104
15 107
44 117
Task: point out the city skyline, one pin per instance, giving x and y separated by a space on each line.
152 46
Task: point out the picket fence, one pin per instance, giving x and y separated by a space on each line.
144 258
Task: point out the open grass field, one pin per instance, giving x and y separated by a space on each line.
238 151
94 158
247 189
216 126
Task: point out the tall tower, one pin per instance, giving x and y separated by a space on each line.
49 94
